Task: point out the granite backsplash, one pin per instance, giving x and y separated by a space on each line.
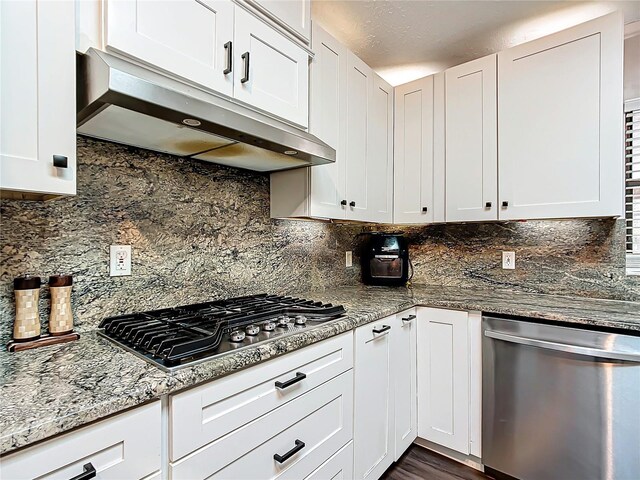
198 231
201 231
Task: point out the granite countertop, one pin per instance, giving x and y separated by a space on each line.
53 389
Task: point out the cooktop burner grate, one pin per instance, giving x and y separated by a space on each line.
174 337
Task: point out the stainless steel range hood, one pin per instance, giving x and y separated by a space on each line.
126 103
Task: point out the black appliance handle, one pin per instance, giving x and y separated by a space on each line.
382 329
229 48
283 458
88 471
298 378
409 318
245 57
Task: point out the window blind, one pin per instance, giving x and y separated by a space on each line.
632 185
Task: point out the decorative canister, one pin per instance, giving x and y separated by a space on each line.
27 323
61 319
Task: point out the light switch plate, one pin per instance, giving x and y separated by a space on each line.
120 262
348 258
508 260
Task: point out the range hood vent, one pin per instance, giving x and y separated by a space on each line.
130 104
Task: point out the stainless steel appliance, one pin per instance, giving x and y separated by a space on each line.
560 403
175 337
121 101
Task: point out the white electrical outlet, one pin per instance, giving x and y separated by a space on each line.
348 258
120 260
508 260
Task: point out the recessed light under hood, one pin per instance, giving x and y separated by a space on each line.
130 104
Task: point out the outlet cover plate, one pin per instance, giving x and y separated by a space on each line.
508 260
348 257
120 260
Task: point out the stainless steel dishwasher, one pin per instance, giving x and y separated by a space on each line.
559 403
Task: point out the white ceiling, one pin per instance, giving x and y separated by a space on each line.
407 39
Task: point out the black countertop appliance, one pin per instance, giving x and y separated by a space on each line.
385 259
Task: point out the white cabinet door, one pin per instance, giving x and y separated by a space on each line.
560 123
359 87
443 378
271 72
124 446
413 157
38 99
471 141
327 121
404 375
189 38
373 412
293 15
379 170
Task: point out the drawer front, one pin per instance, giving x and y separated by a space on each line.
125 446
322 419
338 467
206 413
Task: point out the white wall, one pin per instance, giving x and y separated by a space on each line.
632 63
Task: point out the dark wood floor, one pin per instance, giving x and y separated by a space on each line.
421 464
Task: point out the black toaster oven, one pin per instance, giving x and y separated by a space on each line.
385 259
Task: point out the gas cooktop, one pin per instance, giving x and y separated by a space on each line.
175 337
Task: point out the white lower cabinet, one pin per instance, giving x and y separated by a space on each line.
283 419
338 467
449 379
124 446
403 362
373 422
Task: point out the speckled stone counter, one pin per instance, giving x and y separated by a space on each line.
54 389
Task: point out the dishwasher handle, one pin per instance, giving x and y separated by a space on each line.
561 347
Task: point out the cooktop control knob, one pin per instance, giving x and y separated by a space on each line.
252 330
269 326
237 336
283 321
301 320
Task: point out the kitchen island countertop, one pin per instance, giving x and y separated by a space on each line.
51 390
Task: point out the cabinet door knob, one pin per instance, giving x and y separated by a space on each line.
229 48
425 209
505 204
352 204
245 57
487 205
343 202
60 161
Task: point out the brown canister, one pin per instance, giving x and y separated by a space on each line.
27 323
61 319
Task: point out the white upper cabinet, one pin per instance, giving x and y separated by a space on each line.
191 39
418 162
560 123
327 119
271 72
293 15
359 94
380 152
471 141
38 99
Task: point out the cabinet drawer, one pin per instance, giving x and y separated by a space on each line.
206 413
338 467
322 419
125 446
